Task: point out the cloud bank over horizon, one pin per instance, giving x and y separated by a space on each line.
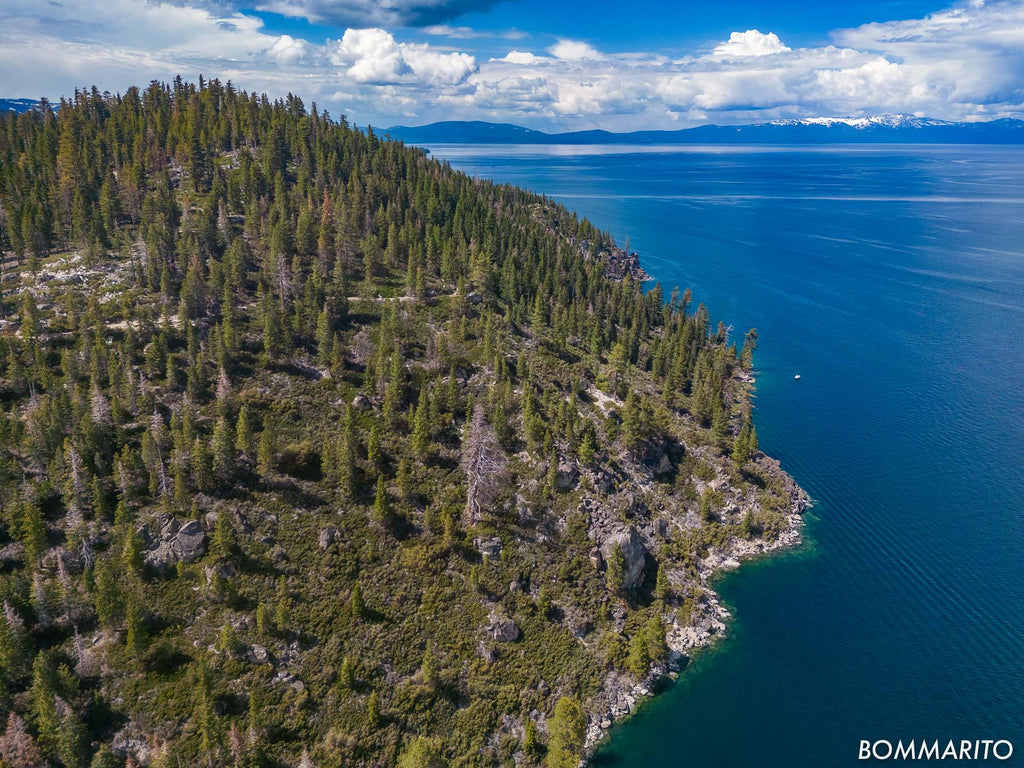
400 62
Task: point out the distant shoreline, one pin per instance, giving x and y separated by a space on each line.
883 129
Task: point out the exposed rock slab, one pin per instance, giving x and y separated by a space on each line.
634 552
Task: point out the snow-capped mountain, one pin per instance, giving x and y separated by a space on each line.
881 121
17 105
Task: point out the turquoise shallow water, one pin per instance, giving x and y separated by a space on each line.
892 280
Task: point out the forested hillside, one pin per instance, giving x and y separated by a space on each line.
314 450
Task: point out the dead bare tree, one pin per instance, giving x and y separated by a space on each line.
485 465
17 747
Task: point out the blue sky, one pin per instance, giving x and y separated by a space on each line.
656 24
546 64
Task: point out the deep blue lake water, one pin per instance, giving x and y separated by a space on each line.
892 280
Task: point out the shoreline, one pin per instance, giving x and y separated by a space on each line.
621 695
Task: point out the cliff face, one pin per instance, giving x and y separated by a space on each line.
313 446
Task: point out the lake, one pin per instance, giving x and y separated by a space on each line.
891 278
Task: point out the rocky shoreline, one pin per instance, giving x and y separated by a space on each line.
622 694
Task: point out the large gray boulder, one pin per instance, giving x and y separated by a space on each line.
634 552
189 542
177 541
489 547
257 654
328 536
502 628
566 477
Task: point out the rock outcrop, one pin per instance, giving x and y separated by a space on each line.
566 477
634 552
183 541
328 536
502 629
488 547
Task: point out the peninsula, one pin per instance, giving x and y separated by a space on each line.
314 451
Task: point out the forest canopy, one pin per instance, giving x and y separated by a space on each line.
309 446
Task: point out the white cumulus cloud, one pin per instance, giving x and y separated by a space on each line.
965 62
751 43
521 57
294 51
573 50
374 56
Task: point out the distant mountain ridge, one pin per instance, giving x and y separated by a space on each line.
18 105
893 129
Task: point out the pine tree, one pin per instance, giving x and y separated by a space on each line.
202 465
356 602
101 508
422 753
243 432
32 531
749 345
394 392
531 741
742 447
227 641
346 674
373 710
324 338
266 454
264 624
107 596
44 703
404 478
615 575
15 645
566 733
205 719
72 738
633 422
588 446
347 455
707 512
106 758
222 543
132 557
662 588
223 450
